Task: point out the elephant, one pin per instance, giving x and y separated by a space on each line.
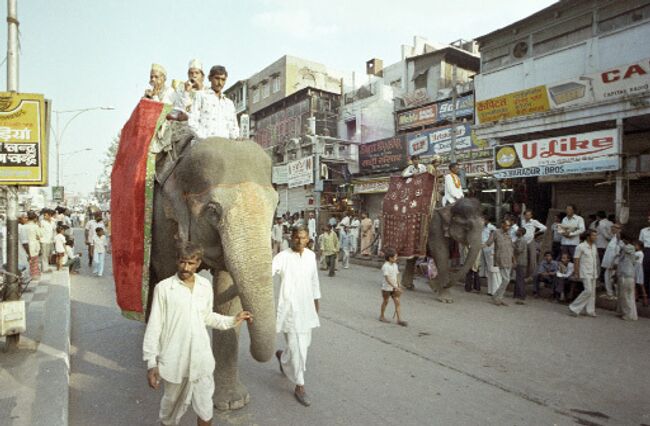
465 225
219 194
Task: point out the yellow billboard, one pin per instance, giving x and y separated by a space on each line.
23 146
517 104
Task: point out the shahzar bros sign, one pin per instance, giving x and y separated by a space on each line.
572 154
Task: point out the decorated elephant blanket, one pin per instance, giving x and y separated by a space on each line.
131 207
406 214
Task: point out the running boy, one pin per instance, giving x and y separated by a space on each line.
390 286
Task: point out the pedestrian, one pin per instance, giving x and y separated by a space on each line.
48 231
176 345
562 276
472 278
557 237
504 260
487 268
298 307
59 247
311 224
277 234
390 286
604 229
571 228
73 261
534 229
89 234
367 235
346 245
545 273
34 233
330 248
613 249
644 237
587 268
99 244
355 225
625 276
521 247
638 272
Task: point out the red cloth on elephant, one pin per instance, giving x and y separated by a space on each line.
406 213
128 206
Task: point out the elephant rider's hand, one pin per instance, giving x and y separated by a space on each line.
244 316
153 377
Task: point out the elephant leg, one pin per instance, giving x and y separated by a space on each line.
409 271
440 284
229 394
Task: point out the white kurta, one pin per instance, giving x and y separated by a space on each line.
176 339
212 115
412 170
166 96
453 190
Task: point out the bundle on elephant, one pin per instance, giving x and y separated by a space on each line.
219 195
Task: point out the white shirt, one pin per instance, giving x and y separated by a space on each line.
612 251
452 192
412 170
576 226
213 115
59 243
99 243
354 227
176 338
588 255
389 270
276 233
166 96
183 99
90 227
644 237
311 224
531 226
298 289
48 227
568 273
34 234
604 230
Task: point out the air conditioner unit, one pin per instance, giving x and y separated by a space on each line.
12 317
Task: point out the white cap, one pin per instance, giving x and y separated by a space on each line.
195 63
158 68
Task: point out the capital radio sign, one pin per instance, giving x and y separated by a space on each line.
591 152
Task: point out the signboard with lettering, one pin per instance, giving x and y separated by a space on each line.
417 117
279 175
464 108
374 186
437 141
515 104
572 154
58 194
300 172
382 156
23 149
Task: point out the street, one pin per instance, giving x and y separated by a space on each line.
465 363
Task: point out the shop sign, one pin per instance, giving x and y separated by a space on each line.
382 155
58 194
617 82
417 117
524 102
279 176
300 172
23 148
572 154
464 108
371 187
437 141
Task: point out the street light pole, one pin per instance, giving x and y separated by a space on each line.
60 132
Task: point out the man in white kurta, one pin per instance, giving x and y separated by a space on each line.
355 225
298 305
587 267
453 187
159 91
176 344
212 114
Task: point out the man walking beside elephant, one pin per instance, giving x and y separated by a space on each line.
504 259
298 306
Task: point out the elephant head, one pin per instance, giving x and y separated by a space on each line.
466 226
231 203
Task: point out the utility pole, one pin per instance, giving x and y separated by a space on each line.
12 285
318 184
454 97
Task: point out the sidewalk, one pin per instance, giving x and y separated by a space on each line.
34 379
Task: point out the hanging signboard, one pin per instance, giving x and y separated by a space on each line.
417 117
58 194
300 172
464 108
437 141
382 156
23 149
279 175
515 104
572 154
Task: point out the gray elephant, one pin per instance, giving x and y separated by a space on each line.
220 196
465 225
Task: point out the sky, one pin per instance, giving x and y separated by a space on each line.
97 53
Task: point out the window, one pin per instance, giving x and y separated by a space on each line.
351 128
276 84
256 94
266 90
421 81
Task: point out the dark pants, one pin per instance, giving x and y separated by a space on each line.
646 269
520 283
567 249
560 286
331 264
601 254
556 249
538 278
472 281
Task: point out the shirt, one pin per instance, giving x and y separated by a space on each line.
166 95
346 241
34 234
412 170
611 252
90 227
391 271
213 115
299 287
354 227
503 249
311 224
576 227
638 269
588 255
99 243
521 251
453 189
604 230
487 230
329 243
547 267
47 227
557 237
564 271
176 338
276 232
644 237
59 243
531 226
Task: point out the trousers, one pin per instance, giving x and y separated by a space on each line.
504 280
587 299
98 261
294 357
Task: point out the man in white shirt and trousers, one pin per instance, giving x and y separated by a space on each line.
587 268
298 306
532 226
176 344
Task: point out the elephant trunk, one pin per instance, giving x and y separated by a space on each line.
470 259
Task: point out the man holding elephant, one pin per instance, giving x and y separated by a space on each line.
298 306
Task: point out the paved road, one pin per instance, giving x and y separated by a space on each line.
466 363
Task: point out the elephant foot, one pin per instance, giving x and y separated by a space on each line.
231 397
444 296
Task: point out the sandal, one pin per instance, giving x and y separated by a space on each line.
384 320
403 323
